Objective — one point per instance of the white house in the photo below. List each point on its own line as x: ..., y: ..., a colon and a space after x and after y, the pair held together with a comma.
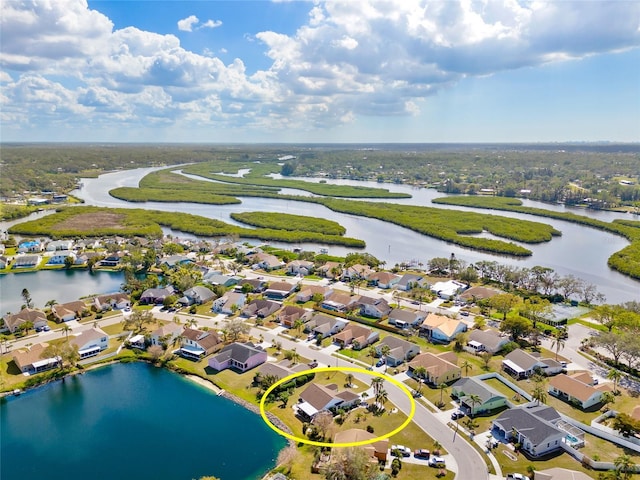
x: 448, y: 289
x: 572, y: 390
x: 166, y: 334
x: 439, y: 328
x: 91, y: 342
x: 229, y: 303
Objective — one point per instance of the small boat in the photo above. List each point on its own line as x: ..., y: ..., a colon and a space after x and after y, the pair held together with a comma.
x: 17, y: 392
x: 324, y: 250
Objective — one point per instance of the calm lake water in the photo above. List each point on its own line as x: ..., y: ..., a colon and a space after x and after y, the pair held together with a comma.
x: 131, y: 421
x: 60, y: 285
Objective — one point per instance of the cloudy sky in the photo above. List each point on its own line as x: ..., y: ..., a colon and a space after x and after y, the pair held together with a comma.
x: 335, y: 71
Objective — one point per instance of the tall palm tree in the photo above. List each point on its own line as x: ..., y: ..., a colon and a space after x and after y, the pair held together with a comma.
x: 615, y: 376
x: 384, y: 351
x: 442, y: 387
x: 557, y: 342
x: 624, y: 465
x: 467, y: 366
x: 348, y: 379
x: 376, y: 384
x: 382, y: 397
x: 474, y: 400
x: 539, y: 393
x: 66, y: 329
x: 419, y: 373
x: 295, y: 356
x: 372, y: 352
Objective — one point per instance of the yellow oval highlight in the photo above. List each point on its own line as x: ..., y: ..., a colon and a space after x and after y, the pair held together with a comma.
x: 395, y: 382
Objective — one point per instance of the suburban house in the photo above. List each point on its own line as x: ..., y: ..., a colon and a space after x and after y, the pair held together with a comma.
x: 31, y: 360
x: 166, y: 334
x: 257, y: 286
x: 490, y: 341
x: 438, y: 328
x: 112, y: 260
x: 572, y: 390
x: 215, y: 278
x: 281, y: 369
x: 26, y: 261
x: 406, y: 318
x: 532, y: 427
x: 197, y: 343
x: 475, y: 294
x: 307, y: 292
x: 357, y: 272
x: 290, y: 314
x: 261, y: 308
x: 317, y: 398
x: 449, y: 289
x: 279, y: 290
x: 356, y: 335
x: 557, y: 473
x: 30, y: 246
x: 373, y: 307
x: 113, y: 300
x: 240, y: 356
x: 229, y: 303
x: 378, y: 450
x: 156, y: 295
x: 37, y: 318
x: 324, y: 326
x: 56, y: 245
x: 90, y: 342
x: 439, y: 369
x: 60, y: 257
x: 68, y: 311
x: 84, y: 257
x: 383, y: 280
x: 328, y: 269
x: 338, y: 301
x: 196, y: 296
x: 300, y: 267
x: 400, y: 350
x: 175, y: 261
x: 521, y: 364
x: 466, y: 389
x: 409, y: 281
x: 265, y: 261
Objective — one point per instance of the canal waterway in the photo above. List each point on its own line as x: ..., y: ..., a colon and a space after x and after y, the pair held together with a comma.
x: 131, y: 421
x: 580, y: 251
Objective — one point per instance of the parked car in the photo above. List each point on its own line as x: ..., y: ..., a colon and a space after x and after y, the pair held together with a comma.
x: 422, y: 453
x: 464, y: 313
x: 457, y: 414
x: 313, y: 364
x: 46, y: 328
x: 404, y: 451
x: 436, y: 462
x: 517, y: 476
x: 380, y: 363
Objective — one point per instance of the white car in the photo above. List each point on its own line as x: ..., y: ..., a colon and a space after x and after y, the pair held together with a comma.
x: 404, y: 451
x: 517, y: 476
x: 436, y: 462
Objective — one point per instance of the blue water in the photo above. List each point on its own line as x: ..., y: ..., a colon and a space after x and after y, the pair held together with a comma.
x: 131, y: 421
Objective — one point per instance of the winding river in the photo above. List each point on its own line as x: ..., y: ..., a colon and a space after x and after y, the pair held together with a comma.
x: 581, y: 251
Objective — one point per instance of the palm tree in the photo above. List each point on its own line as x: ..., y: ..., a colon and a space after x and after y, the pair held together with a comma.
x: 382, y: 397
x: 467, y: 366
x: 615, y: 376
x: 295, y: 356
x: 372, y: 352
x: 624, y: 465
x: 297, y: 326
x: 436, y: 447
x: 384, y: 351
x: 474, y: 400
x: 442, y: 387
x: 419, y: 373
x: 66, y: 329
x: 348, y: 379
x: 26, y: 296
x: 539, y: 393
x: 376, y: 384
x: 51, y: 303
x: 557, y: 342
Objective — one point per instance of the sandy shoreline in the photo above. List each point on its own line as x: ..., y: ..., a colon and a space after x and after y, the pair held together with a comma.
x: 204, y: 383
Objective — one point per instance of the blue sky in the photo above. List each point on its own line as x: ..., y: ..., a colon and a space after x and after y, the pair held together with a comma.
x: 337, y: 71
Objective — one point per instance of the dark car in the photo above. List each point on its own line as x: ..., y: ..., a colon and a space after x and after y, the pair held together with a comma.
x: 313, y: 364
x: 422, y: 453
x: 457, y: 414
x: 380, y: 362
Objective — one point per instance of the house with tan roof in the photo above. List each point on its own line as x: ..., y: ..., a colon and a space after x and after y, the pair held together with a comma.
x: 573, y: 391
x: 166, y: 334
x: 65, y: 312
x: 324, y: 326
x: 36, y: 317
x: 441, y: 329
x: 289, y: 314
x: 229, y: 303
x: 356, y: 335
x: 475, y: 294
x: 378, y: 450
x: 261, y: 308
x: 307, y: 292
x: 317, y: 398
x: 31, y: 360
x: 384, y: 280
x: 338, y: 301
x: 373, y: 307
x: 439, y: 368
x: 198, y: 343
x: 116, y: 301
x: 400, y: 350
x: 300, y: 267
x: 90, y: 342
x: 328, y: 268
x: 357, y: 272
x: 265, y: 261
x: 279, y: 290
x: 281, y: 369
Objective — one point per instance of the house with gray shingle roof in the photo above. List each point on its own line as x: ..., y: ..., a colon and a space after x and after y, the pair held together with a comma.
x: 324, y: 326
x: 533, y: 427
x: 403, y: 318
x: 399, y: 350
x: 198, y: 343
x: 485, y: 341
x: 490, y: 398
x: 240, y: 356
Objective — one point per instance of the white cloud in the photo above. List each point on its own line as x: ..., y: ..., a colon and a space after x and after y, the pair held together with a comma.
x: 351, y: 58
x: 186, y: 24
x: 211, y: 24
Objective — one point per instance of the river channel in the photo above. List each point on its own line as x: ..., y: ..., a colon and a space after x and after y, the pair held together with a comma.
x: 131, y: 421
x: 581, y: 251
